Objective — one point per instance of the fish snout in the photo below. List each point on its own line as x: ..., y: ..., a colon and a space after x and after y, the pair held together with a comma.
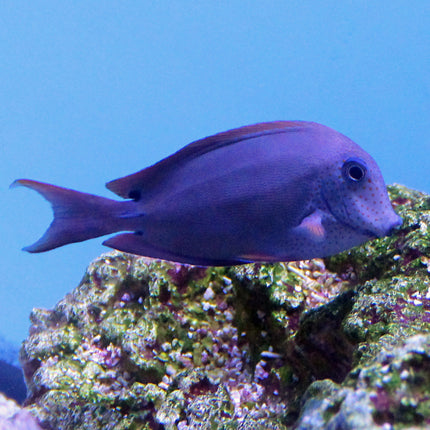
x: 392, y: 225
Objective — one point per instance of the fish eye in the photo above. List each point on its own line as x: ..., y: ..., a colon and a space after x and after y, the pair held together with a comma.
x: 354, y: 170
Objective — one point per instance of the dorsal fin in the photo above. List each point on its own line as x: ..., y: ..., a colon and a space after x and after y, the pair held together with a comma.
x: 130, y: 186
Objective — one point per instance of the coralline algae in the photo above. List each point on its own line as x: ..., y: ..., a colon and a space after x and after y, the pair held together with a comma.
x: 144, y: 344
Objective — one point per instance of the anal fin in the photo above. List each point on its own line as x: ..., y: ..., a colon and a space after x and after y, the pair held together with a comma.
x: 135, y: 244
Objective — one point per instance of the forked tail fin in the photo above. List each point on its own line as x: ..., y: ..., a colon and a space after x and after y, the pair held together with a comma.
x: 77, y: 216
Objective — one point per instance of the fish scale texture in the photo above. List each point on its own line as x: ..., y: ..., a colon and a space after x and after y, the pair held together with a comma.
x: 317, y: 344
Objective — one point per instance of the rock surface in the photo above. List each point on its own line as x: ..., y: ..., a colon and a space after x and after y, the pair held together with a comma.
x: 335, y: 344
x: 13, y: 417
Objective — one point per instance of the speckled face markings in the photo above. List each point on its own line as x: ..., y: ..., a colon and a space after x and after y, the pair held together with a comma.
x: 359, y: 199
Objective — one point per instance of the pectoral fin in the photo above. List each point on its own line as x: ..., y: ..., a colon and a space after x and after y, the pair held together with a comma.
x: 312, y: 227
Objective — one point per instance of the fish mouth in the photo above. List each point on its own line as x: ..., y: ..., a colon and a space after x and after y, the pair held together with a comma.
x: 379, y: 233
x: 369, y: 233
x: 393, y: 228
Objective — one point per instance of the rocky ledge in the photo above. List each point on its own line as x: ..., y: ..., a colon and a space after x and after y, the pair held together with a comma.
x: 320, y: 344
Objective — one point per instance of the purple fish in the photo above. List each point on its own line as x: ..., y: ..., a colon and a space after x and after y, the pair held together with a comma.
x: 276, y: 191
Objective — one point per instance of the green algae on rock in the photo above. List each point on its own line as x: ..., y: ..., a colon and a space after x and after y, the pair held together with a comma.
x: 167, y: 344
x: 145, y: 344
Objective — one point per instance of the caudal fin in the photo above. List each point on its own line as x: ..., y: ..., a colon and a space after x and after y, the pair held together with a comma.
x: 77, y: 216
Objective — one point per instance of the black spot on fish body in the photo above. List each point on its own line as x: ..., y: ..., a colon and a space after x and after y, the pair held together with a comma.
x: 134, y: 194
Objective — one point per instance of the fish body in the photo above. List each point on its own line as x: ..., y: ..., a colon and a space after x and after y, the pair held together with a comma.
x: 277, y: 191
